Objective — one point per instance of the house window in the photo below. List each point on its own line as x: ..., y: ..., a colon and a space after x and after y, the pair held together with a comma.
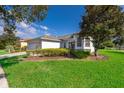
x: 87, y: 42
x: 78, y: 42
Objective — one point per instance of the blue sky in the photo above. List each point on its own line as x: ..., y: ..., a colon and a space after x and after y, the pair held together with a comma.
x: 61, y: 20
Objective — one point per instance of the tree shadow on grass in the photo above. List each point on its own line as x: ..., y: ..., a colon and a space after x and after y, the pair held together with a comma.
x: 9, y: 61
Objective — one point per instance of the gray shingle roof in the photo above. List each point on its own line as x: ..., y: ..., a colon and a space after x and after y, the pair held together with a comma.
x: 65, y: 37
x: 52, y: 38
x: 55, y: 38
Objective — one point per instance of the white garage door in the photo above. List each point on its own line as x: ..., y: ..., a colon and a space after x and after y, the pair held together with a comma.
x: 50, y: 44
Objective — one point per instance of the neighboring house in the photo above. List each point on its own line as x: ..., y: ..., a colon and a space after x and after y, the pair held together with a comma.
x: 72, y: 41
x: 23, y: 43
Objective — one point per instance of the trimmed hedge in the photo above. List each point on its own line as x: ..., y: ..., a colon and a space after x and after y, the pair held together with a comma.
x: 80, y: 53
x: 49, y: 52
x: 58, y: 52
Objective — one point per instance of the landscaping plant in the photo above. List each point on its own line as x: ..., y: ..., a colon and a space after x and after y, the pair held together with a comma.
x: 80, y: 53
x: 49, y: 52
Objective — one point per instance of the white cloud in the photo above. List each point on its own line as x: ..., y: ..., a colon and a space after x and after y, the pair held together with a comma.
x: 44, y: 27
x: 24, y: 34
x: 26, y: 28
x: 32, y: 30
x: 23, y: 24
x: 29, y: 32
x: 20, y: 33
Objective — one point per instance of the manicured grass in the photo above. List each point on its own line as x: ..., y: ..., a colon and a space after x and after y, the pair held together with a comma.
x: 71, y: 73
x: 2, y: 52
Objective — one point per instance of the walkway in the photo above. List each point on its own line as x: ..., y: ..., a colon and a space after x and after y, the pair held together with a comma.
x: 12, y: 55
x: 3, y: 80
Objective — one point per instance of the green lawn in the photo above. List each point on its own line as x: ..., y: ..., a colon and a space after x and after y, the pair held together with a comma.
x: 2, y: 52
x: 71, y: 73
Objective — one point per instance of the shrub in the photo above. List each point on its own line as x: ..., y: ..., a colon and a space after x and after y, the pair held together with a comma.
x: 79, y: 53
x: 10, y: 48
x: 49, y: 52
x: 24, y: 56
x: 30, y: 52
x: 23, y: 48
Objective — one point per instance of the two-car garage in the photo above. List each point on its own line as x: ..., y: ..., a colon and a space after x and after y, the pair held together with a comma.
x: 43, y: 42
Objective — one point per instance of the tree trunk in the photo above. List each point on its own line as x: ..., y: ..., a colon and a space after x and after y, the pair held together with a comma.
x: 9, y: 51
x: 95, y: 52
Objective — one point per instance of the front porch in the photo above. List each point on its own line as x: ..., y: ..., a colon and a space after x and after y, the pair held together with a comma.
x: 78, y: 43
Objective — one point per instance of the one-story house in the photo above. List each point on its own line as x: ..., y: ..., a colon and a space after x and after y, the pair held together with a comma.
x: 72, y: 41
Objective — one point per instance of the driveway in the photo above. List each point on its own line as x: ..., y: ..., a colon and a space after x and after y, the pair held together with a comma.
x: 3, y: 80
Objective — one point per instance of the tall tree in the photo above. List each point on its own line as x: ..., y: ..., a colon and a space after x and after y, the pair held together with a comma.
x: 102, y: 23
x: 10, y: 15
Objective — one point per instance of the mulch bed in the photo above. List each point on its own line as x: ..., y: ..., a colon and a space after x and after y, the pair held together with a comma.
x: 99, y: 57
x: 36, y: 58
